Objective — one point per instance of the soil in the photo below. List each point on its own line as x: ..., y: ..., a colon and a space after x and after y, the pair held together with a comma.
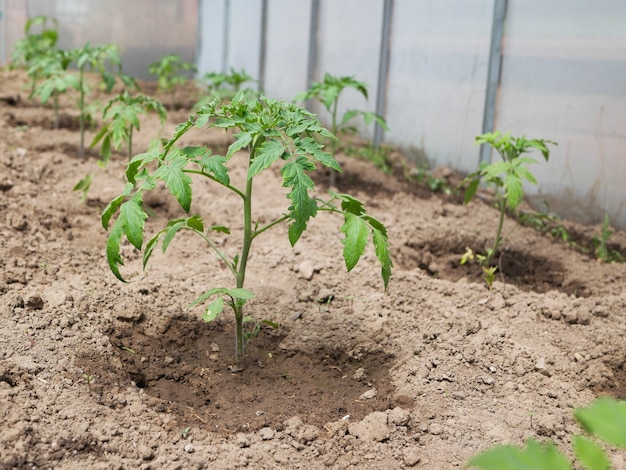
x: 95, y: 373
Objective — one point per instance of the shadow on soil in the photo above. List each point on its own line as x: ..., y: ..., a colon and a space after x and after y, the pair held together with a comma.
x: 529, y: 272
x: 184, y: 367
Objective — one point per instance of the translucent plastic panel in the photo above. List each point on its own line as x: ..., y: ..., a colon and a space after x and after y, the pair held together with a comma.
x: 286, y: 56
x: 348, y: 44
x: 145, y: 30
x: 564, y: 79
x: 244, y: 36
x: 437, y: 78
x: 212, y: 51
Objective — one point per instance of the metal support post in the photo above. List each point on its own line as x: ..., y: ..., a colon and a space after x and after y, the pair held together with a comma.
x: 493, y: 74
x: 383, y: 69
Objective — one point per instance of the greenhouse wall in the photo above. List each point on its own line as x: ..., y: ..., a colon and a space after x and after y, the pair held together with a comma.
x: 440, y: 71
x: 145, y: 30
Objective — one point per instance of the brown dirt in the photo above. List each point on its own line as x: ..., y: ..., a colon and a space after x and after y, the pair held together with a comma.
x: 449, y: 366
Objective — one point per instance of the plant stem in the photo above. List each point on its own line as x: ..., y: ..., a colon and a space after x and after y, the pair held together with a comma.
x: 56, y: 110
x: 333, y: 146
x: 130, y: 143
x: 81, y: 119
x: 496, y: 244
x: 243, y: 261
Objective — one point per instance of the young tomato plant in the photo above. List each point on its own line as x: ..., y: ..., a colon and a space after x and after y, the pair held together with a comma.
x: 507, y: 176
x: 604, y: 419
x: 121, y: 117
x: 171, y: 71
x: 226, y: 85
x: 328, y: 92
x: 35, y: 46
x: 96, y: 58
x: 53, y: 79
x: 601, y: 244
x: 274, y: 133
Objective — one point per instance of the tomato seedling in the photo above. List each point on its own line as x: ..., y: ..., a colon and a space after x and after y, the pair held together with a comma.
x: 171, y: 71
x: 35, y: 46
x: 328, y: 92
x: 274, y: 133
x: 507, y: 176
x: 96, y: 58
x: 52, y: 79
x: 121, y: 117
x: 226, y: 85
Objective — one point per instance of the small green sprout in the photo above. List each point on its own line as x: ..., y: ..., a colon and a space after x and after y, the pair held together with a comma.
x: 88, y: 378
x: 601, y: 244
x: 506, y: 175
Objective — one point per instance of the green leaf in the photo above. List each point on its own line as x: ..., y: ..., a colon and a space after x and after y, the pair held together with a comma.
x: 111, y: 208
x: 303, y: 207
x: 266, y: 154
x: 532, y: 457
x: 133, y: 219
x: 526, y: 174
x: 202, y: 297
x: 243, y: 139
x: 357, y: 234
x: 176, y: 180
x: 113, y: 249
x: 213, y: 310
x: 605, y: 418
x: 471, y: 189
x: 514, y: 190
x: 308, y: 146
x: 381, y: 246
x: 590, y: 454
x: 240, y: 293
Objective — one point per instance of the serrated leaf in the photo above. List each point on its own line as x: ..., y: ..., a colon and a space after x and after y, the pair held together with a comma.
x: 351, y: 204
x: 381, y: 247
x: 220, y: 228
x: 605, y: 418
x: 355, y: 241
x: 113, y: 249
x: 214, y: 165
x: 590, y: 454
x: 266, y: 154
x: 526, y: 174
x: 308, y: 146
x: 494, y: 170
x: 133, y: 218
x: 243, y: 139
x: 533, y: 456
x: 514, y: 190
x: 195, y: 223
x: 176, y: 180
x: 303, y: 207
x: 112, y: 207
